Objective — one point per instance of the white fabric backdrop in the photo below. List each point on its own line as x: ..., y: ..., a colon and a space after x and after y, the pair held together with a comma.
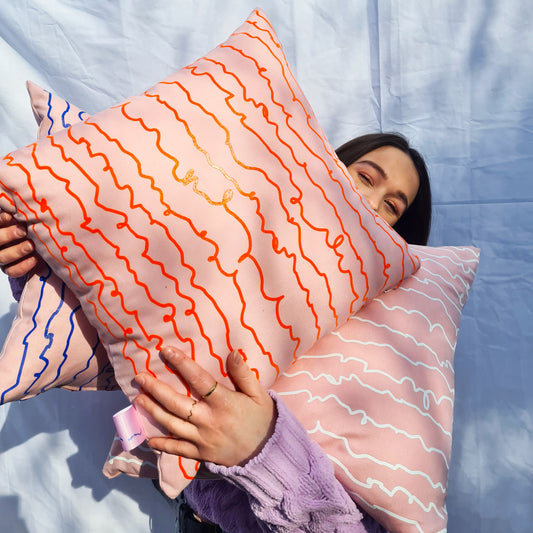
x: 456, y: 77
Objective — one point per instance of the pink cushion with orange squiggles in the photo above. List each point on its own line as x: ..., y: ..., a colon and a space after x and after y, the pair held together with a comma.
x: 209, y: 212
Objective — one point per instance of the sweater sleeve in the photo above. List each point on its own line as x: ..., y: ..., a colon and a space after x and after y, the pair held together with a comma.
x: 290, y: 485
x: 17, y: 286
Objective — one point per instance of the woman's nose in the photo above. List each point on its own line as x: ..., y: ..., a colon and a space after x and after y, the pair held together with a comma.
x: 372, y: 200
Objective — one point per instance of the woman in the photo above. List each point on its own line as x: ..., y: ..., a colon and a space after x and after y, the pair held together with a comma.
x: 261, y: 471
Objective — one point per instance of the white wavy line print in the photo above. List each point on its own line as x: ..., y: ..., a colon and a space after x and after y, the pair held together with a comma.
x: 442, y: 283
x: 334, y: 380
x: 449, y: 281
x: 447, y: 364
x: 461, y: 263
x: 435, y: 484
x: 431, y: 326
x: 338, y: 380
x: 365, y: 418
x: 431, y: 508
x: 447, y: 252
x: 356, y: 496
x: 112, y: 458
x: 430, y: 285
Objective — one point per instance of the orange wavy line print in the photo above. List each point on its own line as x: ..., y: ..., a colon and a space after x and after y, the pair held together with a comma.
x: 268, y: 29
x: 171, y: 317
x: 96, y: 283
x: 200, y: 234
x: 278, y: 299
x: 184, y: 472
x: 284, y: 70
x: 289, y: 219
x: 86, y: 226
x: 228, y: 177
x: 251, y: 196
x: 65, y: 262
x: 415, y: 261
x: 304, y: 167
x: 243, y: 225
x: 126, y: 330
x: 36, y: 236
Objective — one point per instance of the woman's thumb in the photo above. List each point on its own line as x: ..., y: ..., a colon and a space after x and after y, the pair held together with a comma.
x: 242, y: 377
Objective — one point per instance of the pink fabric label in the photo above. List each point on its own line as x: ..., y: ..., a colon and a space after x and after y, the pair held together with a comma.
x: 129, y: 428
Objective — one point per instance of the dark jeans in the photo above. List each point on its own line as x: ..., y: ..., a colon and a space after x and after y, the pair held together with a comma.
x: 188, y: 523
x: 185, y: 519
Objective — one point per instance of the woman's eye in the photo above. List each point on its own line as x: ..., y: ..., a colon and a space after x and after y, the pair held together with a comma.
x: 391, y: 206
x: 364, y: 179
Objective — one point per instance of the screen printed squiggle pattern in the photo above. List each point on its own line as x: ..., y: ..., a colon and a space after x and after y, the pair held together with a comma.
x: 377, y: 394
x: 209, y: 212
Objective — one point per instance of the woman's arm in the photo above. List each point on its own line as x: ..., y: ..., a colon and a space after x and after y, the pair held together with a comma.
x: 271, y: 470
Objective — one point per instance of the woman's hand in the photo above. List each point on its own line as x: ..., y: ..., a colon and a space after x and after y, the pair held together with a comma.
x: 225, y: 427
x: 17, y: 256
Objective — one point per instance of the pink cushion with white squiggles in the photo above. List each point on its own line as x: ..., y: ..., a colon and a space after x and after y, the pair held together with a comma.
x: 377, y: 394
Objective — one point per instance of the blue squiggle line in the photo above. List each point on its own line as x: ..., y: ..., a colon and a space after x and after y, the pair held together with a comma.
x: 65, y: 124
x: 50, y: 338
x: 93, y: 354
x: 49, y: 115
x: 138, y: 434
x: 67, y: 343
x: 25, y: 340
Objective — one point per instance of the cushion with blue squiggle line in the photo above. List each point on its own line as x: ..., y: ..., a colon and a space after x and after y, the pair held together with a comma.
x: 51, y: 343
x: 209, y: 212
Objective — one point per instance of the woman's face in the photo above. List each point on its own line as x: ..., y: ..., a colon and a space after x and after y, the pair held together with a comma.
x: 388, y: 179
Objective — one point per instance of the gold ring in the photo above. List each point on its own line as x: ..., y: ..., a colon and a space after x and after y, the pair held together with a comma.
x: 194, y: 402
x: 211, y: 390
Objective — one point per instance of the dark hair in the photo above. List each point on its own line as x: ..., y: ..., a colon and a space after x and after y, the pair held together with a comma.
x: 415, y: 223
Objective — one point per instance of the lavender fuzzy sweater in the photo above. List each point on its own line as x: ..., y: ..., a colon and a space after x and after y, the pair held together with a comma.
x: 289, y: 487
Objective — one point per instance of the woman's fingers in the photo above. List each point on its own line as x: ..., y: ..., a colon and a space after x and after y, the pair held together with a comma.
x: 174, y: 446
x: 11, y: 232
x: 175, y: 424
x: 242, y: 377
x: 16, y: 250
x: 163, y: 394
x: 16, y: 253
x: 6, y: 218
x: 200, y: 380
